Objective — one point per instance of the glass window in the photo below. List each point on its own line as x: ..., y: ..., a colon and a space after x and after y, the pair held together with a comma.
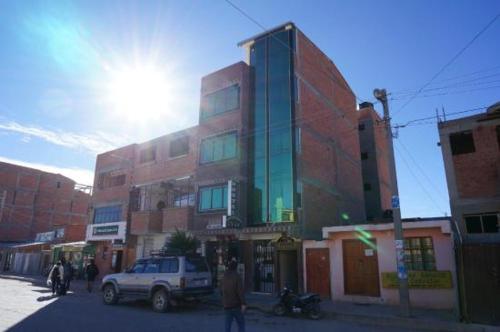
x: 139, y: 267
x: 213, y: 198
x: 152, y: 267
x: 183, y: 199
x: 484, y: 223
x: 218, y: 148
x: 196, y: 264
x: 148, y: 154
x: 108, y: 214
x: 221, y: 101
x: 419, y: 254
x: 169, y: 265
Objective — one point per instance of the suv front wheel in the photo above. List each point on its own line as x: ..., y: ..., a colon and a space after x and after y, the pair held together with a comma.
x: 109, y: 294
x: 160, y: 300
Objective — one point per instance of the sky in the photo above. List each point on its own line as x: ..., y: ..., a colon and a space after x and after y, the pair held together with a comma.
x: 73, y: 74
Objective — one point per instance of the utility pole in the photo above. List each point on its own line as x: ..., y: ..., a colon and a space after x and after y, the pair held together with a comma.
x: 404, y: 294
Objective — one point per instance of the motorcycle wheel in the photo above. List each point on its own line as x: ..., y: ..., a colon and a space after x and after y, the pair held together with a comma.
x: 314, y: 312
x: 279, y: 309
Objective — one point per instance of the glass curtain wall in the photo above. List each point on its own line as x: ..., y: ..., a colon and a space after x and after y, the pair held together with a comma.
x: 272, y: 135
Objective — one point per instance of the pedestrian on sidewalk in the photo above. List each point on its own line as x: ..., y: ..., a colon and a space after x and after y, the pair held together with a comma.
x: 91, y: 271
x: 68, y: 274
x: 233, y: 298
x: 55, y: 276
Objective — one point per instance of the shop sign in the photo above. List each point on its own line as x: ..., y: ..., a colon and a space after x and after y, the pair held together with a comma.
x: 105, y: 230
x: 286, y: 242
x: 45, y: 237
x: 420, y: 279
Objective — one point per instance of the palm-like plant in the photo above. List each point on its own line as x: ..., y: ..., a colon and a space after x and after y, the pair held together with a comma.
x: 182, y: 242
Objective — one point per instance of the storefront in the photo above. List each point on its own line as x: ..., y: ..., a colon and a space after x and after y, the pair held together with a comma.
x: 109, y: 243
x: 78, y: 253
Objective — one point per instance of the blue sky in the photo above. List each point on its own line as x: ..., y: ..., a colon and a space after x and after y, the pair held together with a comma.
x: 59, y: 61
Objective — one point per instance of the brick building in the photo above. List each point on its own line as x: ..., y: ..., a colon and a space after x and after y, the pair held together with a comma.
x: 40, y: 207
x: 375, y: 164
x: 471, y: 153
x: 275, y: 158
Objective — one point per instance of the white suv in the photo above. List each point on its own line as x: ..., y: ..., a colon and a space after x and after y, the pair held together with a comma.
x: 163, y: 280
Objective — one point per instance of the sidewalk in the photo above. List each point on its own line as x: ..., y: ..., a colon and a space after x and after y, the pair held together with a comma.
x: 372, y: 314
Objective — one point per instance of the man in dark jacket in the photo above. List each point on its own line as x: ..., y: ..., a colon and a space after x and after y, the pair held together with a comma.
x: 68, y: 274
x: 91, y: 271
x: 233, y: 297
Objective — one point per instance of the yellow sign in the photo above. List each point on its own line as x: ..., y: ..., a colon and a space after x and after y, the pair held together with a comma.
x: 420, y: 279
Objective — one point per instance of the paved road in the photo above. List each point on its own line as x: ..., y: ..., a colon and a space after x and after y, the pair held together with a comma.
x: 28, y: 306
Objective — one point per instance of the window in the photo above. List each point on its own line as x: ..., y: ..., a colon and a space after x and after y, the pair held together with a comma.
x: 485, y: 223
x: 169, y: 265
x: 108, y: 214
x: 296, y: 91
x: 462, y: 142
x: 179, y: 147
x: 152, y: 267
x: 361, y: 127
x: 218, y: 148
x: 147, y: 155
x: 106, y: 180
x: 213, y: 198
x: 195, y: 264
x: 58, y: 184
x: 364, y: 155
x: 419, y: 254
x: 221, y: 101
x: 367, y: 187
x: 183, y: 199
x: 498, y: 136
x: 139, y: 267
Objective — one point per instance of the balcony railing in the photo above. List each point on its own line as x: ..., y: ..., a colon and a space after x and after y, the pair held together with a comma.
x: 146, y: 222
x: 177, y: 218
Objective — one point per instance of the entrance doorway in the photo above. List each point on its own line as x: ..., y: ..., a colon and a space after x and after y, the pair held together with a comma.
x: 287, y: 262
x: 360, y: 268
x: 318, y: 271
x: 264, y: 274
x: 117, y: 261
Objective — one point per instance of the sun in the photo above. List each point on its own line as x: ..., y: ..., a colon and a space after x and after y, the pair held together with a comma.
x: 140, y: 93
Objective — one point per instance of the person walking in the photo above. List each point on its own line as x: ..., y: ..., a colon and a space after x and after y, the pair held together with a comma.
x: 68, y: 274
x: 233, y: 298
x: 55, y: 276
x: 91, y: 271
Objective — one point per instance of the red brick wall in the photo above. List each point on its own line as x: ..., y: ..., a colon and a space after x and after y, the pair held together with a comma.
x: 477, y: 174
x: 36, y: 204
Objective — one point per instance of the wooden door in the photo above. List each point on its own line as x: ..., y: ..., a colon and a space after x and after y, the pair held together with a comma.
x: 318, y: 271
x: 360, y: 268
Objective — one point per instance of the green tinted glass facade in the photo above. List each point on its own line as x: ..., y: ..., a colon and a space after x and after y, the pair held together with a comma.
x: 271, y: 145
x: 218, y: 148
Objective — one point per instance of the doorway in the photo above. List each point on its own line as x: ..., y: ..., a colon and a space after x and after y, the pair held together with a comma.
x: 360, y: 268
x: 288, y: 271
x: 318, y: 271
x: 117, y: 261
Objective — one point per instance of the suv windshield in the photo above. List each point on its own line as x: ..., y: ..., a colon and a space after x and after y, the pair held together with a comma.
x: 196, y: 264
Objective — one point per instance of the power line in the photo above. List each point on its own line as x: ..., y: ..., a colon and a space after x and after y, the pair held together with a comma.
x: 333, y: 78
x: 449, y: 63
x: 434, y: 117
x: 450, y: 93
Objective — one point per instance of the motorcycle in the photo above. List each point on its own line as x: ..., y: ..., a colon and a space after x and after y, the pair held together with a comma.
x: 291, y: 303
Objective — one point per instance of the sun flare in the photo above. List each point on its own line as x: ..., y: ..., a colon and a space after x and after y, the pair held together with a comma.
x: 140, y: 93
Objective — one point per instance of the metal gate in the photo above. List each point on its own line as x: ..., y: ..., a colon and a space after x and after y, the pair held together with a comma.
x: 264, y: 273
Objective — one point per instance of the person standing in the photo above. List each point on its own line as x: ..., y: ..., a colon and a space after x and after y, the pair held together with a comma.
x: 68, y: 274
x: 233, y: 298
x: 91, y: 271
x: 55, y: 276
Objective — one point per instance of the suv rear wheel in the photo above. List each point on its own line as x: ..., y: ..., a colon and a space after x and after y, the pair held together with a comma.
x: 109, y: 295
x: 160, y: 300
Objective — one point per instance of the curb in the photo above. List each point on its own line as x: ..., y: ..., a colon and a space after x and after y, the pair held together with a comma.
x: 388, y: 321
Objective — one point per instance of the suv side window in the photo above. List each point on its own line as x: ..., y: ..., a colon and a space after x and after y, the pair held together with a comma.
x: 152, y: 267
x: 196, y: 264
x: 169, y: 265
x: 139, y: 267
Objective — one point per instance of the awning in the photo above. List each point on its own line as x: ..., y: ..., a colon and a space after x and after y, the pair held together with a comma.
x: 80, y: 244
x: 28, y: 244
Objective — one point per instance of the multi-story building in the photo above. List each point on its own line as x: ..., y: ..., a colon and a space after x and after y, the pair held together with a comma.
x: 40, y: 207
x: 375, y: 164
x: 275, y: 157
x: 471, y: 153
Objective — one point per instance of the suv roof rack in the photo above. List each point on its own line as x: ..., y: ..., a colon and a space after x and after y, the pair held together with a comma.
x: 163, y: 252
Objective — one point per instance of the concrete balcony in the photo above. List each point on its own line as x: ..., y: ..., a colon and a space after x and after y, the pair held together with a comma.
x: 177, y: 218
x: 146, y: 222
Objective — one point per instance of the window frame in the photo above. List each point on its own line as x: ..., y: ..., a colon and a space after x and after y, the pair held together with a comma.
x: 176, y: 140
x: 453, y: 139
x: 212, y: 188
x: 212, y: 140
x: 421, y: 248
x: 170, y: 259
x: 120, y: 213
x: 209, y: 108
x: 481, y: 222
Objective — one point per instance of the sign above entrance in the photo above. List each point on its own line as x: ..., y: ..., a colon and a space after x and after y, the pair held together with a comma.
x: 286, y: 242
x: 420, y: 279
x: 106, y: 231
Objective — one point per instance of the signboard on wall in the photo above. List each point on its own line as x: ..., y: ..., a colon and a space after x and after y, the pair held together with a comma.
x: 420, y: 279
x: 105, y: 230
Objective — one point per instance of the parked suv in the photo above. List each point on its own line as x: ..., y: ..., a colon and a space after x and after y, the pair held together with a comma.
x: 163, y: 280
